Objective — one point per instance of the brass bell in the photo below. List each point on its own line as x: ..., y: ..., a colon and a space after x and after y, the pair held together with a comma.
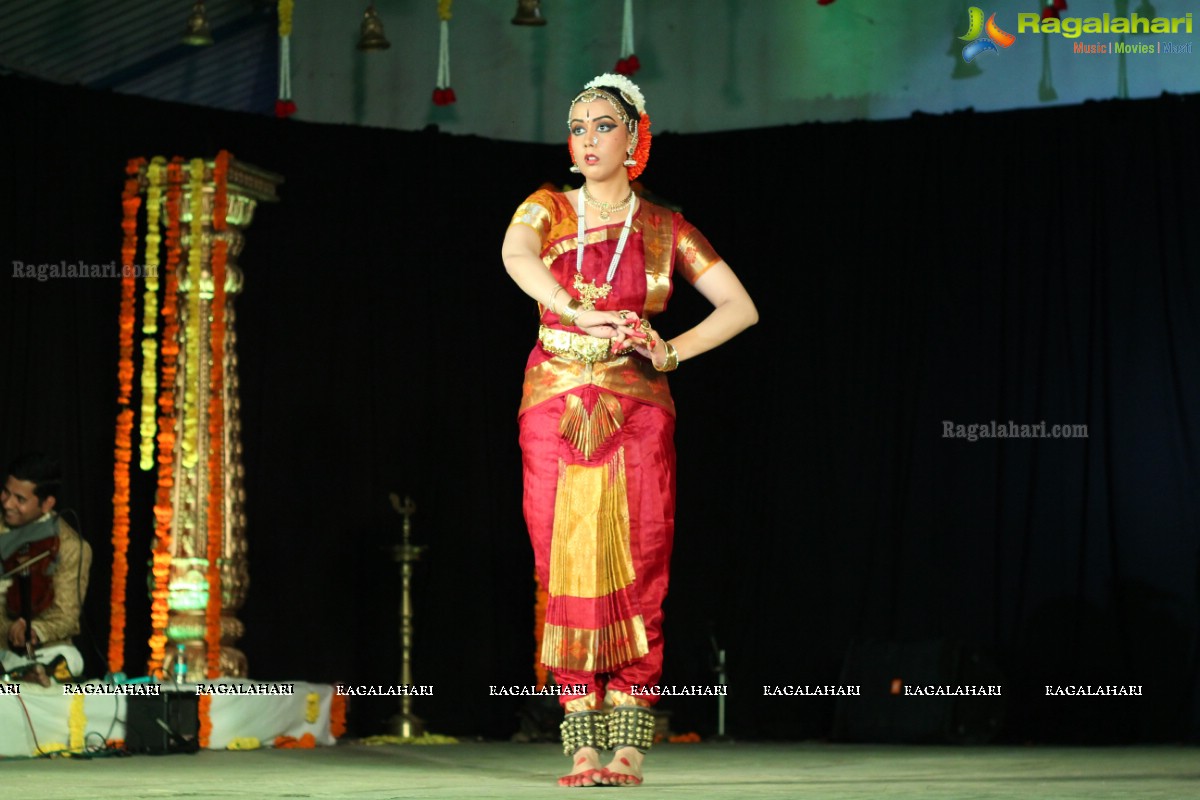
x: 371, y: 36
x: 529, y: 12
x: 198, y: 32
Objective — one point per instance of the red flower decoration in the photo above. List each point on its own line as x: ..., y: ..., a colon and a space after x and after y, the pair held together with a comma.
x: 1052, y: 8
x: 284, y: 108
x: 628, y: 66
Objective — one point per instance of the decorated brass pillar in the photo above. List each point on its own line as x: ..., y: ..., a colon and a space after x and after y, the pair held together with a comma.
x: 230, y: 192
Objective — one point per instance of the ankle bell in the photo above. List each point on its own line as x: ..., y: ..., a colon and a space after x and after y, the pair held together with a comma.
x: 584, y: 729
x: 631, y: 726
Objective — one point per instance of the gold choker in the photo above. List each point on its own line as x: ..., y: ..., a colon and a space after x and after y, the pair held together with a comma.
x: 607, y: 209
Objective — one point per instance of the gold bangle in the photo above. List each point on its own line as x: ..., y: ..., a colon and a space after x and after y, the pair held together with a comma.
x: 571, y: 312
x: 672, y: 362
x: 550, y: 305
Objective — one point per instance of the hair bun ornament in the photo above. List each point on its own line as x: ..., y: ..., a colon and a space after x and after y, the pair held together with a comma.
x: 622, y: 84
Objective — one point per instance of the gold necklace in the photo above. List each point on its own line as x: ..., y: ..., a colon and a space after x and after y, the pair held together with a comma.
x: 607, y: 209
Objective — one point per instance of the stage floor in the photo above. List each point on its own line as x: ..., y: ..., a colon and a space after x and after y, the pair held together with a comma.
x: 698, y: 772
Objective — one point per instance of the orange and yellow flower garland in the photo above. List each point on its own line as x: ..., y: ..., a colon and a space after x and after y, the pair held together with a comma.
x: 216, y: 416
x: 123, y: 452
x: 166, y: 399
x: 164, y: 509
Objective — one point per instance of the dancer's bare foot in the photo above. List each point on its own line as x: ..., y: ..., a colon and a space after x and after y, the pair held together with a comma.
x: 586, y: 771
x: 625, y: 769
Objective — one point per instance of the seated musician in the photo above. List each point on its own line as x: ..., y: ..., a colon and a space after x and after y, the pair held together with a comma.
x: 43, y: 610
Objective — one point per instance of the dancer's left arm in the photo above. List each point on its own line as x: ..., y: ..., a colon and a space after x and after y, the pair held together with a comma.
x: 733, y: 312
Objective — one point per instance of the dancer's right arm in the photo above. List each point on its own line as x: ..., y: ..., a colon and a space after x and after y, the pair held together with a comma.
x: 520, y: 253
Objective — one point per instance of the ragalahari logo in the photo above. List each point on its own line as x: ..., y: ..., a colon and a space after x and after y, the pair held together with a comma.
x: 977, y: 42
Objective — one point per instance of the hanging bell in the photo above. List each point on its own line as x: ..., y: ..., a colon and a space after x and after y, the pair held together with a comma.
x: 529, y: 12
x: 198, y: 32
x: 371, y: 36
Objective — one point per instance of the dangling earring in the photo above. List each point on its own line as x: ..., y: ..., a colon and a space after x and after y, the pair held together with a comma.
x: 574, y: 168
x: 629, y: 162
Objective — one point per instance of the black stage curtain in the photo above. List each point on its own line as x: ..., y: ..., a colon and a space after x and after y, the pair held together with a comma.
x: 1036, y: 265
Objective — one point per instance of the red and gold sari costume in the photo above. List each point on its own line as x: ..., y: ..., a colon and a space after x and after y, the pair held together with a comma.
x: 599, y: 456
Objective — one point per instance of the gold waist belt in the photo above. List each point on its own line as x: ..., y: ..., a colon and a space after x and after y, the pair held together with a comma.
x: 576, y: 346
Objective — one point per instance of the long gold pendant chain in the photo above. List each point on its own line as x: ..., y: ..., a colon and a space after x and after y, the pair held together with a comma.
x: 589, y: 293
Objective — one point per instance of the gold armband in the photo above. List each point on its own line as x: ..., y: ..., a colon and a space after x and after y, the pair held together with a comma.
x: 571, y: 312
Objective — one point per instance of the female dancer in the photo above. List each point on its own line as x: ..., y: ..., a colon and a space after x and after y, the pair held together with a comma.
x: 597, y: 421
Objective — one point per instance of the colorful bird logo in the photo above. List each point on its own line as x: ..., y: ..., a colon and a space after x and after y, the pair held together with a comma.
x: 978, y: 43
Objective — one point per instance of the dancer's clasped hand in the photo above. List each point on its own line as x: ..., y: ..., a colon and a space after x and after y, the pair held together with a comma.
x: 620, y: 326
x: 628, y: 331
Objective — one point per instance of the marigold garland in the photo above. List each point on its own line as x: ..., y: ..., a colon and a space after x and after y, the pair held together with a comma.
x: 305, y: 742
x: 244, y: 743
x: 123, y: 439
x: 312, y: 707
x: 191, y: 401
x: 147, y: 429
x: 216, y: 417
x: 337, y: 715
x: 285, y: 8
x: 76, y: 724
x: 204, y: 712
x: 641, y: 153
x: 131, y: 202
x: 164, y: 509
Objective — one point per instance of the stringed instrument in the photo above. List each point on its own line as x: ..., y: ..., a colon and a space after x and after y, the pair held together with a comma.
x: 41, y: 556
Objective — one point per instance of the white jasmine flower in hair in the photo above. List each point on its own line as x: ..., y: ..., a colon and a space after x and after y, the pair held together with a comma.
x: 625, y: 86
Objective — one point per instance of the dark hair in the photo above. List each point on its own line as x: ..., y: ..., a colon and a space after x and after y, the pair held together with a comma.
x: 629, y: 108
x: 40, y: 470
